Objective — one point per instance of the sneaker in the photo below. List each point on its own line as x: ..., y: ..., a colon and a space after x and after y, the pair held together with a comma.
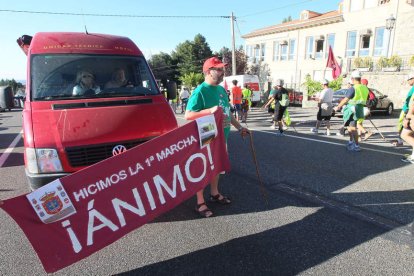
x: 408, y: 159
x: 356, y: 147
x: 314, y: 130
x: 285, y: 128
x: 328, y: 133
x: 273, y: 127
x: 339, y: 134
x: 350, y: 146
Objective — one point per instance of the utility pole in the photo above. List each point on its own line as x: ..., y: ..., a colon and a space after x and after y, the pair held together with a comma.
x: 233, y: 44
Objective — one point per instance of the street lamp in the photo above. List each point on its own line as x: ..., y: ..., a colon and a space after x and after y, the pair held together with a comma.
x: 389, y: 25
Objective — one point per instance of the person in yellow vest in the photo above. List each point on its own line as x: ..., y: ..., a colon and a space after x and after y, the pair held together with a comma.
x: 355, y: 101
x: 246, y: 102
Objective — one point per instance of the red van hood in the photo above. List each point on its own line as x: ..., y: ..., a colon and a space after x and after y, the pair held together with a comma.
x: 71, y: 125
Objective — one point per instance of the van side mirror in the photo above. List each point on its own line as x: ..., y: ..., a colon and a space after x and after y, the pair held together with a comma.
x: 171, y: 90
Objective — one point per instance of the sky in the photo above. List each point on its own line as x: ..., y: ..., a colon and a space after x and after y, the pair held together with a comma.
x: 152, y: 34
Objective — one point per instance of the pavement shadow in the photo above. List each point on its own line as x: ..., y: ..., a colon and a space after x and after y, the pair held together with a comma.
x: 286, y: 250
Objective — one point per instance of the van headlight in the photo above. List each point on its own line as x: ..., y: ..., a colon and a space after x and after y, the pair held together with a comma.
x: 43, y: 161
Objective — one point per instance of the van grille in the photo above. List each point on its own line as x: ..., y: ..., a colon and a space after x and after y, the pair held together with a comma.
x: 89, y: 155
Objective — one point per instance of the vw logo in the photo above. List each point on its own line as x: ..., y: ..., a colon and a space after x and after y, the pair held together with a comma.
x: 118, y: 149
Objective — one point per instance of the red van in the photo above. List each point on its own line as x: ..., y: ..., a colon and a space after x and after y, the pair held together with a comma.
x: 89, y: 97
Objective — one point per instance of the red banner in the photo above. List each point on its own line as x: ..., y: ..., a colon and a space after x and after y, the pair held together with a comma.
x: 332, y: 63
x: 122, y: 193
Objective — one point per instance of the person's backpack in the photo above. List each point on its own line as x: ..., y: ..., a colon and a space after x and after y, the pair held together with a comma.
x: 285, y: 99
x: 372, y: 100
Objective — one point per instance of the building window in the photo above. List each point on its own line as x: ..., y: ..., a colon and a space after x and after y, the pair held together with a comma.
x: 384, y: 1
x: 257, y: 53
x: 319, y: 48
x: 381, y: 38
x: 364, y: 45
x: 370, y: 3
x: 351, y: 44
x: 283, y: 51
x: 249, y: 54
x: 263, y: 51
x: 292, y: 49
x: 275, y: 51
x: 330, y: 38
x: 309, y: 47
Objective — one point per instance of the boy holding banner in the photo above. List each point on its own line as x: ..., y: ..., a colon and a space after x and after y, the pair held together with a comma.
x: 205, y: 100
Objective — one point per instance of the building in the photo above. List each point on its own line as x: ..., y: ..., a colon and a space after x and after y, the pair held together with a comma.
x: 365, y: 30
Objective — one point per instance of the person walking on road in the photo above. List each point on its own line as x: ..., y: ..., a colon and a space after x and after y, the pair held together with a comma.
x: 236, y: 99
x: 355, y: 100
x: 184, y: 95
x: 281, y: 100
x: 362, y: 132
x: 325, y: 108
x: 206, y: 99
x: 246, y: 102
x: 407, y: 133
x: 408, y: 99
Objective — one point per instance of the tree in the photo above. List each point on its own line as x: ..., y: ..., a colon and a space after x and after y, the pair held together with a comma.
x: 287, y: 19
x: 190, y: 55
x: 241, y: 60
x: 13, y: 83
x: 163, y: 67
x: 192, y: 79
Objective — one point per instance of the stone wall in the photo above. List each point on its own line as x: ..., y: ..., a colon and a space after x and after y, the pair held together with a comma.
x: 393, y: 84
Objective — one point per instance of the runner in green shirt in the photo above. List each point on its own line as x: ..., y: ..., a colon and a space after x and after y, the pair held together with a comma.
x: 206, y: 99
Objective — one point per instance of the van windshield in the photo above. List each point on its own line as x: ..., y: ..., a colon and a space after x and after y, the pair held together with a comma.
x: 68, y: 76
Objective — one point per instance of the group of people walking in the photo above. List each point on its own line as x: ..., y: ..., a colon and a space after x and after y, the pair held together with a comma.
x: 210, y: 96
x: 241, y: 101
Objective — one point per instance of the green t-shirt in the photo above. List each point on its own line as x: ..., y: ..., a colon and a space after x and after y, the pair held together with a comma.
x: 407, y: 100
x: 206, y: 96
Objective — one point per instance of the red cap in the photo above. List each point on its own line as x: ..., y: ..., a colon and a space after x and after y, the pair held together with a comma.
x: 213, y: 62
x: 364, y: 81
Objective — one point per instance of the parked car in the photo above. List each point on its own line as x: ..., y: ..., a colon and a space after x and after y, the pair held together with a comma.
x: 384, y: 104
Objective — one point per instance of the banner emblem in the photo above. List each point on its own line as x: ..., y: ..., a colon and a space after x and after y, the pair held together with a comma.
x: 51, y: 203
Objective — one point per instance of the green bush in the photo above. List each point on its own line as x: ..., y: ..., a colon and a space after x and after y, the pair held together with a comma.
x: 411, y: 61
x: 395, y: 61
x: 358, y: 62
x: 367, y: 62
x: 382, y: 62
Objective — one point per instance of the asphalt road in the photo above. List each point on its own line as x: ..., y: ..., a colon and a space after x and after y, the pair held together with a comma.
x: 327, y: 211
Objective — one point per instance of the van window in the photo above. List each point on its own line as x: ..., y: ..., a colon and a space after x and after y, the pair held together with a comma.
x: 55, y: 76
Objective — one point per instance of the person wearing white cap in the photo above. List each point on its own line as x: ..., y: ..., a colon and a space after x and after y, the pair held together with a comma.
x: 355, y: 100
x: 325, y: 108
x: 404, y: 110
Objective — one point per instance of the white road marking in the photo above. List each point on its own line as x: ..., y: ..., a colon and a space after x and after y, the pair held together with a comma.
x: 7, y: 152
x: 328, y: 142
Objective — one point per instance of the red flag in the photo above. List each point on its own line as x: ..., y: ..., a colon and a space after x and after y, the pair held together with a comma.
x: 332, y: 63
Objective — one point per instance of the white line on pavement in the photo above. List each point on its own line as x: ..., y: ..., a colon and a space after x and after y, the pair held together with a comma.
x: 7, y: 152
x: 328, y: 142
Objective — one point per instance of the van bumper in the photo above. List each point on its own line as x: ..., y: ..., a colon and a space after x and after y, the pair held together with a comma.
x: 37, y: 180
